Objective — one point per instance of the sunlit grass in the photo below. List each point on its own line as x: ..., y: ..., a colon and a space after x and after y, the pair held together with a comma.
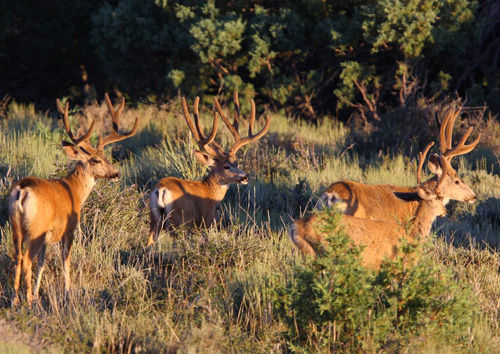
x: 209, y: 290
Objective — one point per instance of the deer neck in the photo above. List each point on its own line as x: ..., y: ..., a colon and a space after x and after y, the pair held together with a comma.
x: 215, y: 186
x: 80, y: 183
x: 426, y: 213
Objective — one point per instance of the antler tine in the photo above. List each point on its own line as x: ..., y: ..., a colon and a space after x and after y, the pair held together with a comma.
x: 115, y: 136
x: 421, y: 160
x: 196, y: 114
x: 115, y: 114
x: 461, y: 148
x: 187, y: 118
x: 446, y: 133
x: 207, y: 144
x: 237, y: 111
x: 211, y: 137
x: 65, y: 112
x: 252, y: 118
x: 442, y: 132
x: 250, y: 138
x: 449, y: 127
x: 444, y: 165
x: 233, y: 128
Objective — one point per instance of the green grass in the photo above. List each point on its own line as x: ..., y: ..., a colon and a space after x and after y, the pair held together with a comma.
x: 212, y: 290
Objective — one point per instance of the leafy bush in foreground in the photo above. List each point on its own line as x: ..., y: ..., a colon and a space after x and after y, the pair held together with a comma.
x: 333, y: 303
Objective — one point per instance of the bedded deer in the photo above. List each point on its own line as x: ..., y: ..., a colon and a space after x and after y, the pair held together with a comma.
x: 395, y: 203
x: 47, y: 211
x: 381, y: 238
x: 174, y: 201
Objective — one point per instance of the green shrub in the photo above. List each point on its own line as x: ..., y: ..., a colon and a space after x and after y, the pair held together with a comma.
x: 333, y: 303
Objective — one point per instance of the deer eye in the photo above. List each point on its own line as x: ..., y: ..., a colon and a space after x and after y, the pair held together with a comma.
x: 227, y: 167
x: 95, y: 161
x: 457, y: 182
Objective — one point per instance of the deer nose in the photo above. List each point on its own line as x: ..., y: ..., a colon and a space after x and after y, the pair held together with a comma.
x: 115, y: 176
x: 471, y: 200
x: 244, y: 179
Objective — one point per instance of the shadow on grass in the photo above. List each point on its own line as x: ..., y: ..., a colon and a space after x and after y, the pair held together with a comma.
x: 481, y: 226
x: 261, y: 203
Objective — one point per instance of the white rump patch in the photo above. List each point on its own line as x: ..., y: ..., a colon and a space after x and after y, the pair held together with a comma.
x: 328, y: 200
x: 325, y: 201
x: 160, y: 199
x: 21, y: 201
x: 13, y: 201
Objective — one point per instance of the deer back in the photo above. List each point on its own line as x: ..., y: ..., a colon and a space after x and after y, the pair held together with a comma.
x: 377, y: 202
x: 391, y: 202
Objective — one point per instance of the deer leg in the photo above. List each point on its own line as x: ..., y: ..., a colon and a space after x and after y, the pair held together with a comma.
x: 29, y: 255
x: 18, y: 255
x: 154, y: 226
x: 164, y: 223
x: 27, y: 276
x: 66, y: 244
x: 159, y: 221
x: 151, y: 238
x: 40, y: 268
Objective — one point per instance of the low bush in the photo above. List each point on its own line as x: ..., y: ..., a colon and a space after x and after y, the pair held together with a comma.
x: 332, y: 303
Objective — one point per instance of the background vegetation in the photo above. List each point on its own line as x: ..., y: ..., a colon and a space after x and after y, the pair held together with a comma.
x: 309, y: 57
x: 240, y: 286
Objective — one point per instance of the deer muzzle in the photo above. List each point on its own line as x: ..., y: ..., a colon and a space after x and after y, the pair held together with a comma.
x: 115, y: 177
x: 471, y: 200
x: 244, y: 180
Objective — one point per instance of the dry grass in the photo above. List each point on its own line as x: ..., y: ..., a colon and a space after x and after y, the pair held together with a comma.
x: 213, y: 293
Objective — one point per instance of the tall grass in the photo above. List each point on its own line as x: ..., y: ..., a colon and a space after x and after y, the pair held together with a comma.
x: 211, y: 290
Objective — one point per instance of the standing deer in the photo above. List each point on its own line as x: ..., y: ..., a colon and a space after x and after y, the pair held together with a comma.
x: 394, y: 203
x: 176, y: 201
x: 46, y: 211
x: 381, y: 238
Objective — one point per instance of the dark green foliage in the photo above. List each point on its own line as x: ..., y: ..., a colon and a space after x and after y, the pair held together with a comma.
x: 43, y: 46
x: 313, y: 58
x: 332, y: 303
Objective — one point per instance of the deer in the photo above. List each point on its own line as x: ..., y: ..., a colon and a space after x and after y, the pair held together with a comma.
x: 396, y: 203
x: 175, y: 201
x: 47, y: 211
x: 380, y: 239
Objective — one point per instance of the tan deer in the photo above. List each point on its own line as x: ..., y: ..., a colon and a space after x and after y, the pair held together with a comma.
x: 174, y: 201
x: 380, y: 238
x: 394, y: 203
x: 46, y: 211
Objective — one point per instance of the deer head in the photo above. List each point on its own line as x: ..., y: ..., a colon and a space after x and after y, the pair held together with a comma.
x: 211, y: 153
x: 93, y: 160
x: 455, y: 188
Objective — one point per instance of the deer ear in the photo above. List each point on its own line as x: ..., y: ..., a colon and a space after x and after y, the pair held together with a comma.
x: 435, y: 165
x: 74, y: 152
x: 425, y: 194
x: 204, y: 158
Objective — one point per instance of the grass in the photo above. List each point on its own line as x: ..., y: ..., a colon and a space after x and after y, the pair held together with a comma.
x: 212, y: 290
